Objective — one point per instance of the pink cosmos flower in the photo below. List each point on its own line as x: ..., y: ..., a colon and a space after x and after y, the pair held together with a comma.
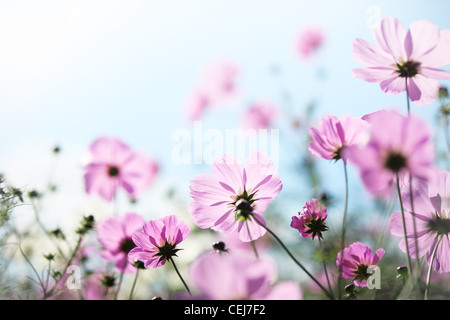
x: 333, y: 135
x: 114, y: 165
x: 397, y: 145
x: 310, y: 40
x: 115, y: 235
x: 197, y: 105
x: 405, y: 59
x: 260, y: 115
x: 230, y: 198
x: 432, y: 212
x: 239, y: 277
x: 311, y: 220
x: 219, y: 81
x: 157, y: 241
x: 356, y: 261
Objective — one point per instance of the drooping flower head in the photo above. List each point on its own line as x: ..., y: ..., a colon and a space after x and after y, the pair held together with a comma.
x: 432, y: 213
x: 233, y: 196
x: 355, y: 262
x: 158, y: 241
x: 333, y: 135
x: 239, y: 277
x: 311, y: 220
x: 405, y: 59
x: 398, y: 145
x: 310, y: 40
x: 115, y: 235
x: 260, y: 115
x: 114, y: 165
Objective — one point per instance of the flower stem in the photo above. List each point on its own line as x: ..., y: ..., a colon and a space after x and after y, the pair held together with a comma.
x: 407, y: 97
x: 134, y: 285
x: 430, y: 267
x: 252, y: 242
x: 294, y: 259
x: 344, y: 223
x: 325, y: 267
x: 120, y: 284
x: 416, y: 243
x: 404, y: 224
x: 179, y: 275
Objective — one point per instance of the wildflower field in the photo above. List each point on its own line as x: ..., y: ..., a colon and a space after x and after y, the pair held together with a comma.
x: 225, y: 150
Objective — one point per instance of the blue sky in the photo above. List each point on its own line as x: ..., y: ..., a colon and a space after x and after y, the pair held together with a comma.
x: 71, y: 71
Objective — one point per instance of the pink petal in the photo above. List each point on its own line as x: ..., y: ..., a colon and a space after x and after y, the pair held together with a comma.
x: 439, y: 56
x: 372, y: 75
x: 394, y: 85
x: 422, y: 37
x: 391, y: 38
x: 423, y: 91
x: 110, y: 150
x: 229, y: 172
x: 434, y: 73
x: 370, y: 55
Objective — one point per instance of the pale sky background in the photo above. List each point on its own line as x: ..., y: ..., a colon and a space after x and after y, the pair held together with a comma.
x: 71, y: 71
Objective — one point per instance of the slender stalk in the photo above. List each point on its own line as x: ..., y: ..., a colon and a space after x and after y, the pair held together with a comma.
x: 252, y: 242
x: 325, y: 267
x: 134, y: 285
x: 344, y: 224
x: 179, y: 275
x: 404, y: 224
x: 294, y: 259
x: 430, y: 267
x: 407, y: 97
x: 416, y: 243
x: 120, y: 283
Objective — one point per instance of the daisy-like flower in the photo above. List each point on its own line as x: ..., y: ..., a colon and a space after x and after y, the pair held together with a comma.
x: 115, y: 235
x: 114, y: 165
x: 432, y: 213
x: 356, y: 260
x: 239, y: 277
x: 310, y: 40
x: 405, y: 59
x: 333, y: 135
x: 157, y: 241
x: 233, y: 196
x: 311, y: 220
x: 260, y: 115
x: 398, y: 146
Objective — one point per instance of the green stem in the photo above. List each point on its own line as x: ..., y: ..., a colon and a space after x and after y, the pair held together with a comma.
x: 252, y: 242
x: 407, y: 97
x: 134, y: 285
x: 344, y: 224
x: 294, y: 259
x: 325, y: 267
x: 413, y: 213
x: 404, y: 224
x: 179, y: 275
x: 430, y: 267
x: 120, y: 283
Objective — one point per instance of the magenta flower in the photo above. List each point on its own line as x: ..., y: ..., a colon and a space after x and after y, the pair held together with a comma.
x: 260, y: 115
x: 157, y: 241
x: 115, y: 235
x: 310, y: 41
x: 311, y: 220
x: 230, y: 198
x: 219, y: 81
x: 405, y: 59
x: 197, y: 105
x: 239, y: 277
x: 432, y: 212
x: 398, y: 145
x: 356, y: 261
x: 114, y: 165
x: 333, y: 135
